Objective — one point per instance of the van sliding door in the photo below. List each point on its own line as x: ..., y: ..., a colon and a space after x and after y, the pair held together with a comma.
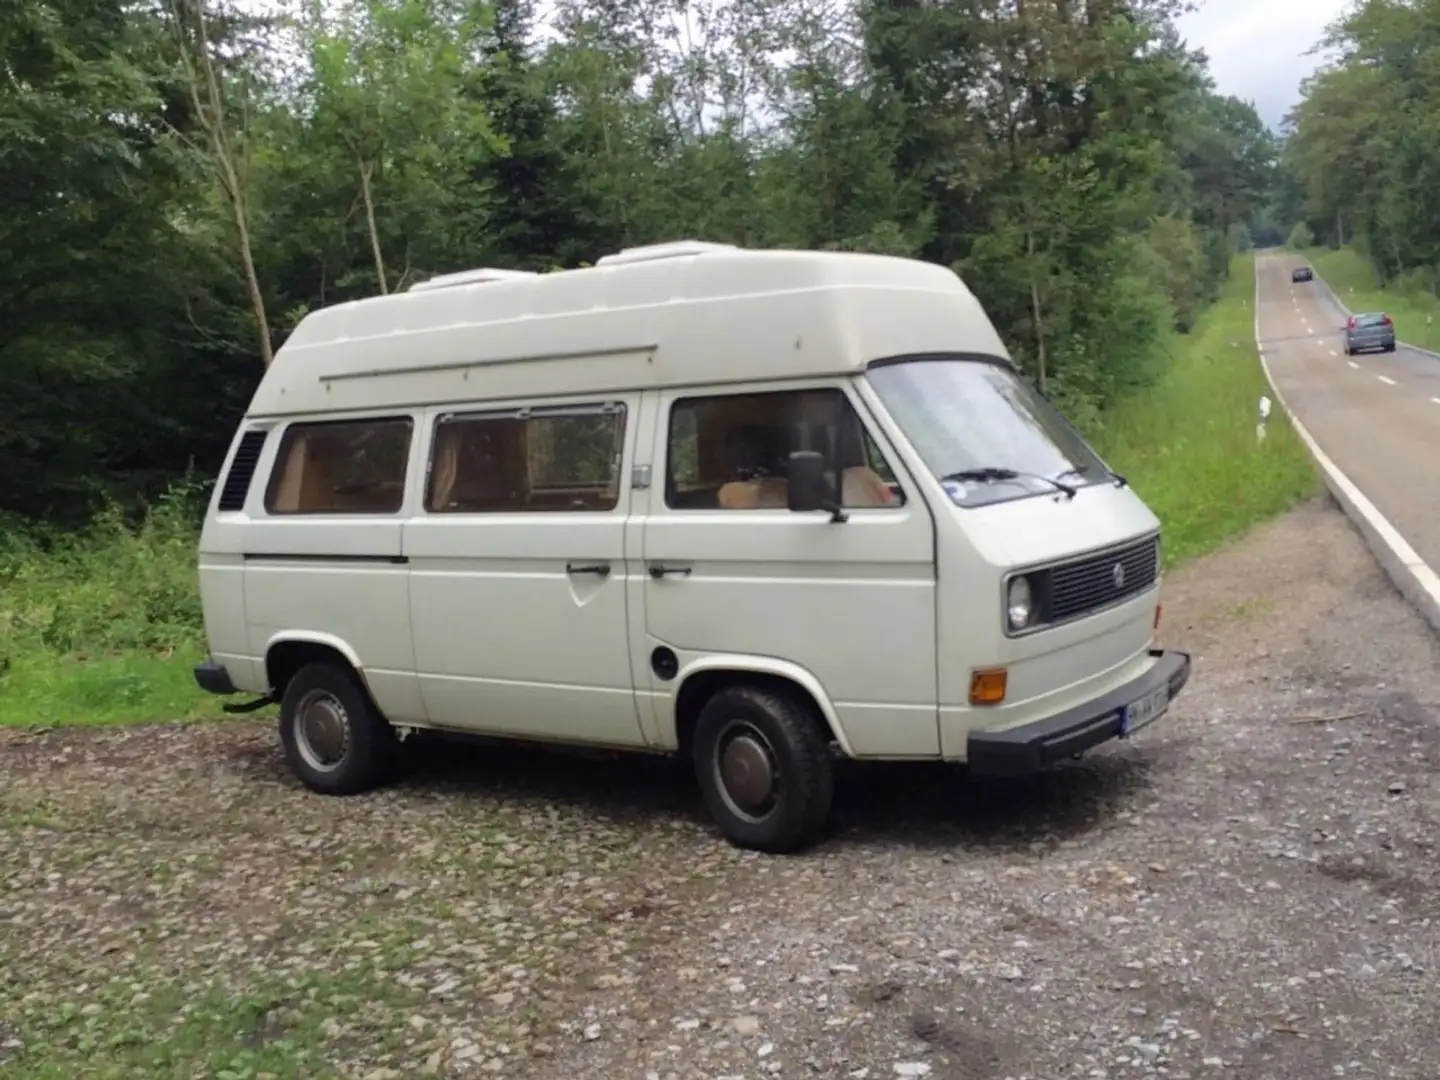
x: 518, y: 571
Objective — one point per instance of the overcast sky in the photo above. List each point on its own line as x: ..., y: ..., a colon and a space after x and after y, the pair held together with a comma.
x: 1257, y: 47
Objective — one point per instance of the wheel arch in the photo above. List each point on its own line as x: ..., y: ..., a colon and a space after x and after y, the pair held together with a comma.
x: 287, y: 652
x: 702, y: 679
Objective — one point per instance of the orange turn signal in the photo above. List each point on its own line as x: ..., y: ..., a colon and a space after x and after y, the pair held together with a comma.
x: 987, y: 686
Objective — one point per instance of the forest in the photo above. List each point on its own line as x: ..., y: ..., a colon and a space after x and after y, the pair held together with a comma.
x: 1361, y: 161
x: 186, y: 179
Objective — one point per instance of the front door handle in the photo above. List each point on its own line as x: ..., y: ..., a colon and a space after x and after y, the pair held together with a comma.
x: 599, y: 569
x: 660, y: 570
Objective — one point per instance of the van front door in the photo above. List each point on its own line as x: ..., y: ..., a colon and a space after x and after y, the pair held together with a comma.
x: 733, y: 578
x: 518, y: 573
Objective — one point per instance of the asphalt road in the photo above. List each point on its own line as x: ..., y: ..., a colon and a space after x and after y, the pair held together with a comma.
x: 1377, y: 415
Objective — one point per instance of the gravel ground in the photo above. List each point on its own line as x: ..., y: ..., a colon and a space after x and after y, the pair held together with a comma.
x: 1249, y: 890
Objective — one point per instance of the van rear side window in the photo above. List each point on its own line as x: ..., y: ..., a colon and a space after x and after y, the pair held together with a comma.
x: 527, y: 460
x: 341, y: 467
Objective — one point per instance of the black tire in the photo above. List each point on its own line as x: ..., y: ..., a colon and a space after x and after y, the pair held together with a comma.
x: 784, y: 730
x: 327, y: 695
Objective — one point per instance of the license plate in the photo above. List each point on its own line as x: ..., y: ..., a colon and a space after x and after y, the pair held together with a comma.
x: 1145, y: 710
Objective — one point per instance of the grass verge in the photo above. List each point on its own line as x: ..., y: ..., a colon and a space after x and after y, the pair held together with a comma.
x: 1416, y: 312
x: 105, y: 628
x: 1188, y: 444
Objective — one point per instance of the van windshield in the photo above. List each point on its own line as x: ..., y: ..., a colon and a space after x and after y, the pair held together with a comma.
x: 968, y: 416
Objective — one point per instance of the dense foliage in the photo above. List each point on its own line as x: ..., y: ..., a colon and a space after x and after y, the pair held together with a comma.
x: 183, y: 182
x: 1362, y: 157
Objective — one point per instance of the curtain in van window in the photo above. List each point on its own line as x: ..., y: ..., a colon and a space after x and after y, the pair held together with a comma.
x: 445, y: 466
x: 292, y: 478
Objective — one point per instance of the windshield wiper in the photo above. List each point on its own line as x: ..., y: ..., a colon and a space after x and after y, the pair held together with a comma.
x: 1120, y: 481
x: 994, y: 472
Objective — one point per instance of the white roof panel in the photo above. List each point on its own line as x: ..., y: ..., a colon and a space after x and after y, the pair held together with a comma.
x: 687, y: 313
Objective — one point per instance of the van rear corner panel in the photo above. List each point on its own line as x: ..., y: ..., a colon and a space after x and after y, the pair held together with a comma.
x: 222, y: 604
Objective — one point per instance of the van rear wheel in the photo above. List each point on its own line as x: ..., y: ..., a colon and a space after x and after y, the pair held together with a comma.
x: 337, y: 743
x: 763, y: 763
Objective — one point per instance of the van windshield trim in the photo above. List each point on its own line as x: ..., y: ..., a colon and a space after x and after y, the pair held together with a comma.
x: 967, y: 411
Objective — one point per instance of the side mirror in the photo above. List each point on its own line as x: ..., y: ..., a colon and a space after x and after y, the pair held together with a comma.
x: 807, y: 488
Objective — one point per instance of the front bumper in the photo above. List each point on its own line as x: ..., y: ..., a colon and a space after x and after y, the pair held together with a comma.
x: 1031, y: 747
x: 213, y: 678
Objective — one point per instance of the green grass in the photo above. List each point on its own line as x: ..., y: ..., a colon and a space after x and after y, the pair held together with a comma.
x: 104, y: 628
x: 1408, y: 301
x: 1188, y: 444
x: 150, y: 1024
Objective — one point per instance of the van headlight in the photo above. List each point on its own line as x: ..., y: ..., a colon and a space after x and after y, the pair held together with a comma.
x: 1019, y: 603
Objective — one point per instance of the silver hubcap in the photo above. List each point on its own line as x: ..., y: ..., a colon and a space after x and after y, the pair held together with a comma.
x: 322, y: 730
x: 747, y: 772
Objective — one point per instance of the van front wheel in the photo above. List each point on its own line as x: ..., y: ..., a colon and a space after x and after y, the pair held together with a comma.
x: 763, y: 763
x: 335, y: 741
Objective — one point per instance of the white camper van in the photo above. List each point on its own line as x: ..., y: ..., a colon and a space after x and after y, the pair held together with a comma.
x: 759, y: 508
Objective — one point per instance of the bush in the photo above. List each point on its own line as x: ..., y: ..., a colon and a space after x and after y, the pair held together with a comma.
x: 90, y: 624
x: 1300, y: 238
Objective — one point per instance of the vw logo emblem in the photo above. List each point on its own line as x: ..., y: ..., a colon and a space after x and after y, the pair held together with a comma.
x: 1117, y: 575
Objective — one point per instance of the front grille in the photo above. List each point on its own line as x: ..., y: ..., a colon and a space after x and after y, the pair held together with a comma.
x: 1089, y: 583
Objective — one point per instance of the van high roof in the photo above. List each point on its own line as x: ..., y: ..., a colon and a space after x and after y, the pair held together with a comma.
x: 666, y: 315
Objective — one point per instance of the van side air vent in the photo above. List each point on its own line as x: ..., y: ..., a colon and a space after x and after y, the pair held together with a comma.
x: 242, y: 470
x: 471, y: 277
x: 675, y: 250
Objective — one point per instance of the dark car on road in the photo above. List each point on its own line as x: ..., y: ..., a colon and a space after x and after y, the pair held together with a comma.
x: 1369, y: 330
x: 1302, y: 273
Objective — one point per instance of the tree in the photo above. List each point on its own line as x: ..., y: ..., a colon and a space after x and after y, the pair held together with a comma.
x: 1364, y: 142
x: 184, y: 180
x: 388, y: 91
x: 222, y: 121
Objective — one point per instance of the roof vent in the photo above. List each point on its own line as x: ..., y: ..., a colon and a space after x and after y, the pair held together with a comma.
x: 471, y: 277
x: 675, y: 250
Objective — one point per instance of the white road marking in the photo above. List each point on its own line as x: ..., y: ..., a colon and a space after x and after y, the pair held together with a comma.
x: 1387, y: 382
x: 1334, y: 353
x: 1436, y: 400
x: 1353, y: 364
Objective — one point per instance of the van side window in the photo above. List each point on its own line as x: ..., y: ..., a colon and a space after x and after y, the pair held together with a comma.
x: 341, y: 467
x: 731, y: 452
x: 527, y: 460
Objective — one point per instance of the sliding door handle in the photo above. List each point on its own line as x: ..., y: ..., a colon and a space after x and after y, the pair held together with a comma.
x: 660, y: 570
x: 599, y: 569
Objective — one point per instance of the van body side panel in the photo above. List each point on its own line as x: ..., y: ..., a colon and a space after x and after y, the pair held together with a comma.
x: 222, y: 602
x: 516, y: 632
x: 852, y: 604
x: 330, y: 577
x: 655, y: 720
x: 341, y: 577
x: 221, y: 571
